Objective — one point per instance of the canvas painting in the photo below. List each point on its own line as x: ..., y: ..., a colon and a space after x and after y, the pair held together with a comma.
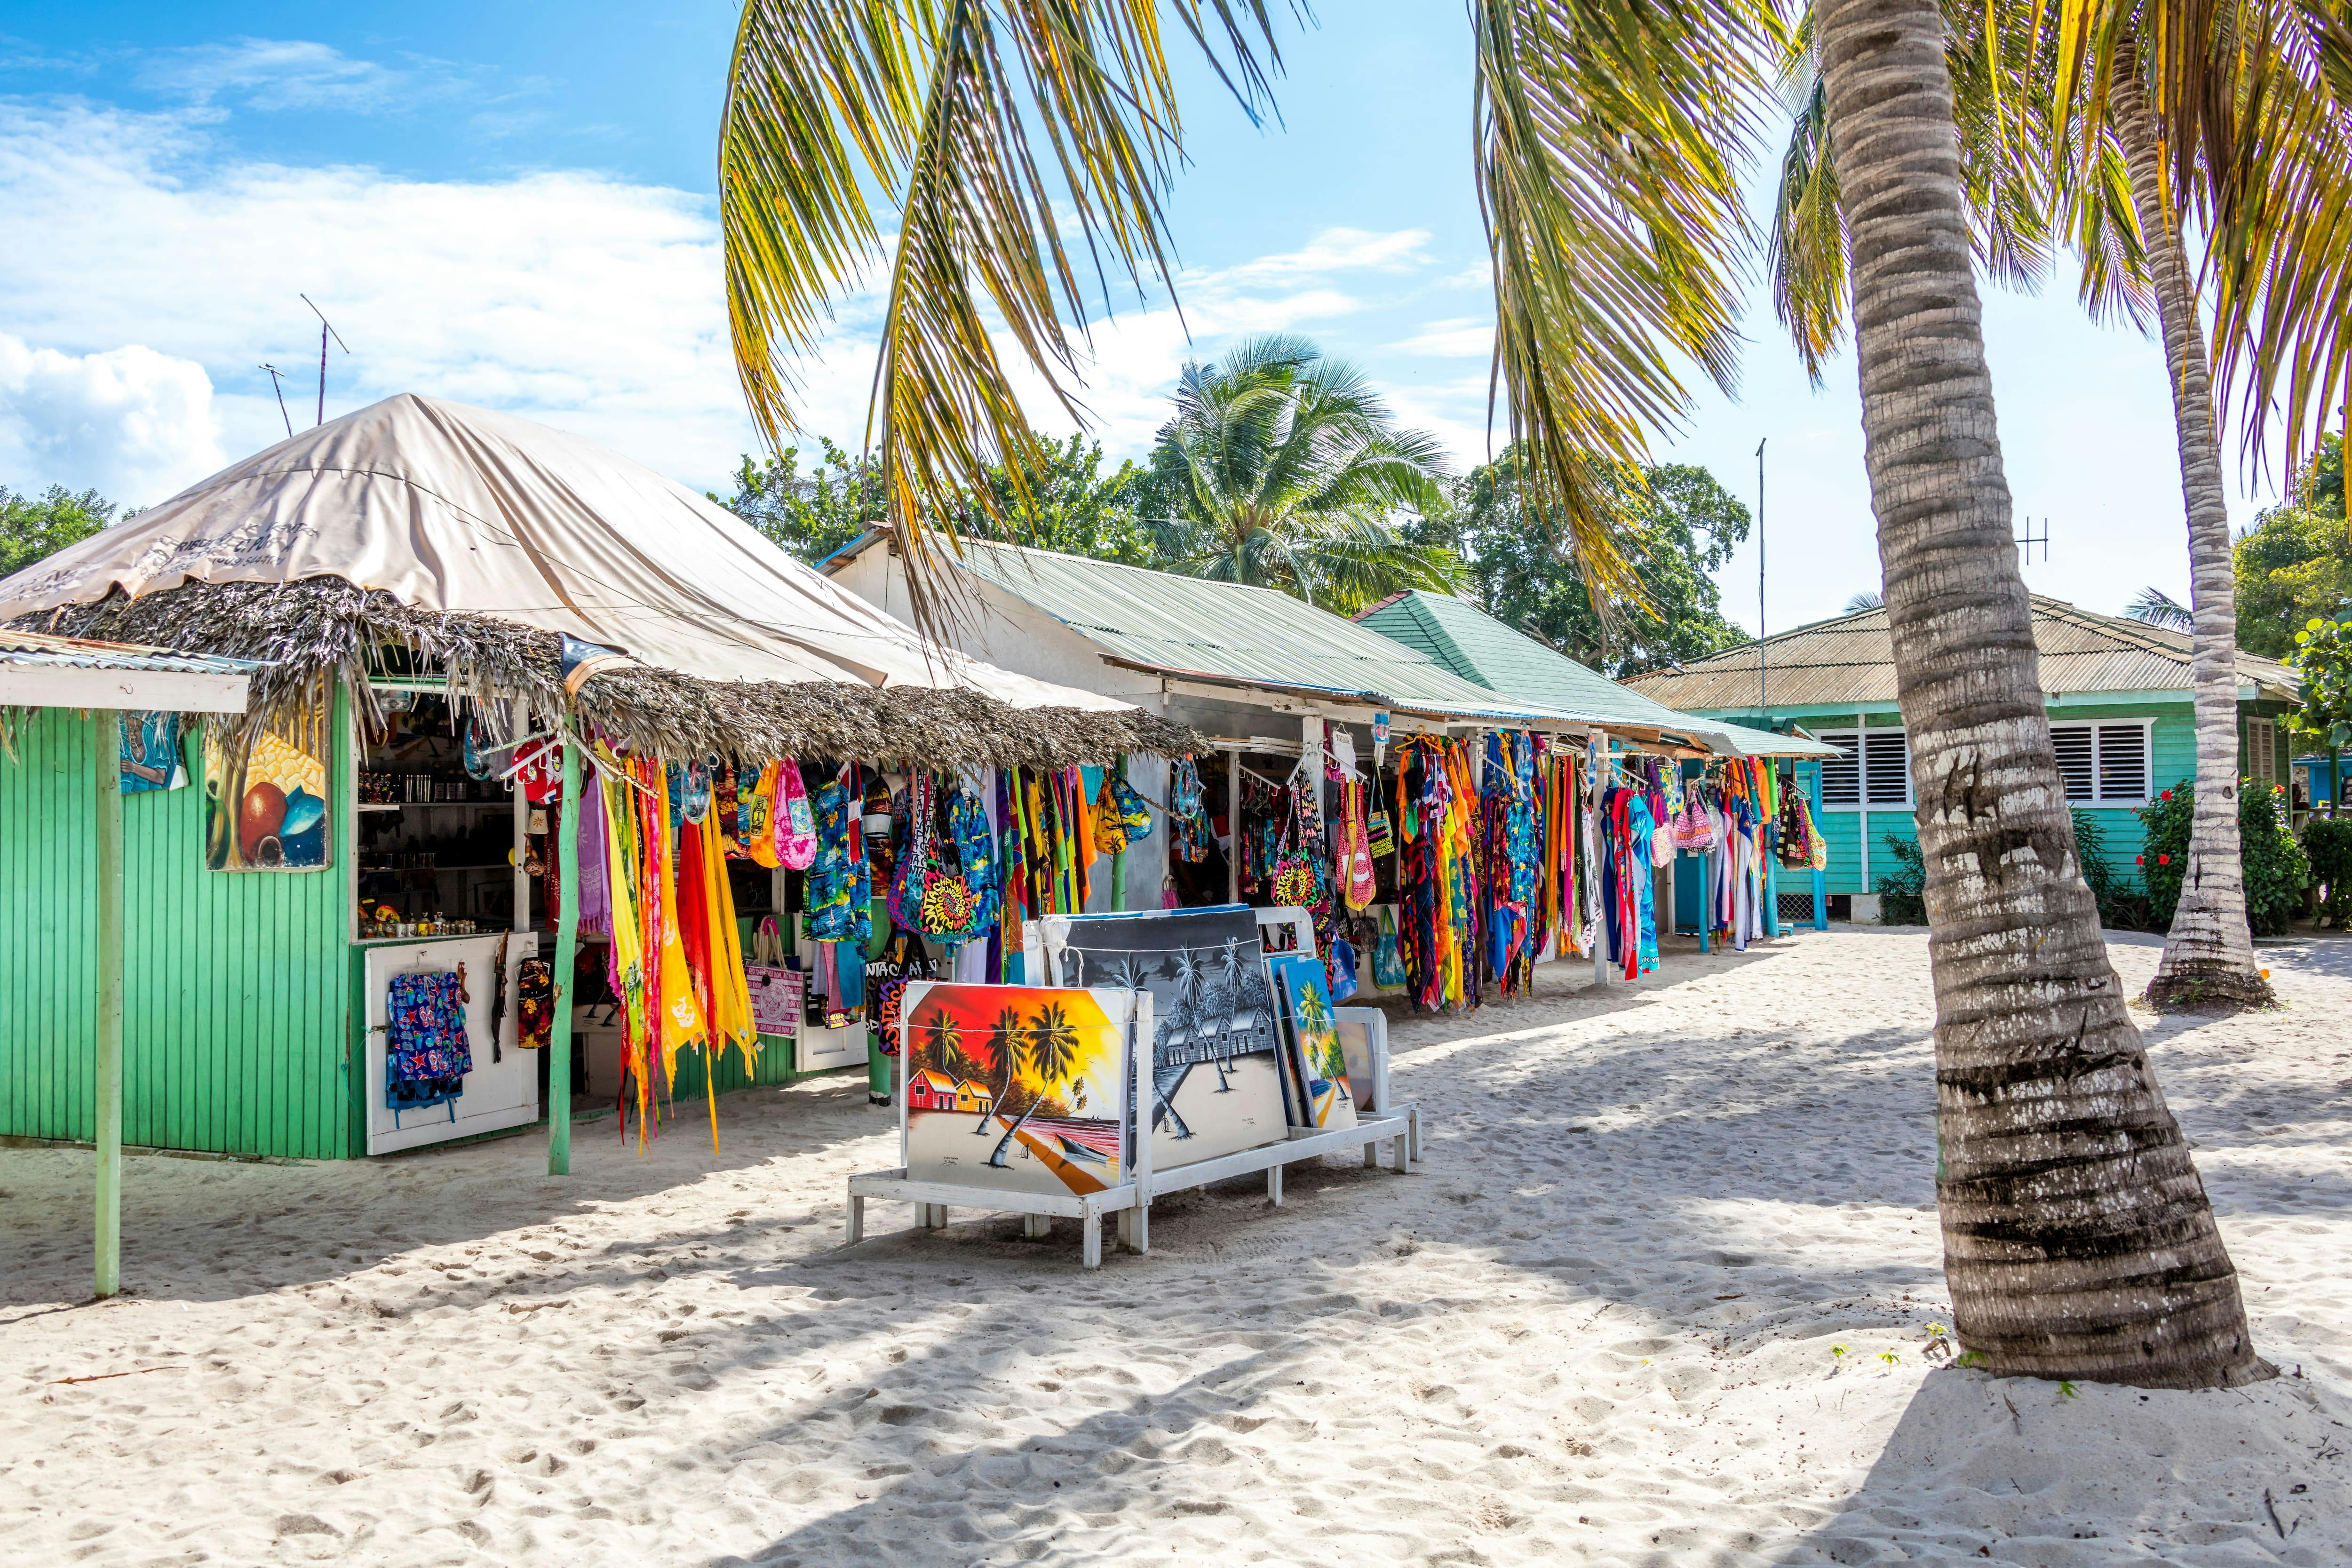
x: 266, y: 810
x: 1216, y: 1074
x: 150, y: 753
x: 1018, y: 1087
x: 1319, y: 1092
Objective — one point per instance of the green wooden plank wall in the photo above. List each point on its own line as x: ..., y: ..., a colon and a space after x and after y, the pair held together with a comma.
x: 2173, y: 758
x: 234, y: 986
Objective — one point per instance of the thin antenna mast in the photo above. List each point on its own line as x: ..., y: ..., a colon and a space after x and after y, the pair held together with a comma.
x: 1762, y: 707
x: 326, y: 331
x: 2029, y: 538
x: 276, y: 376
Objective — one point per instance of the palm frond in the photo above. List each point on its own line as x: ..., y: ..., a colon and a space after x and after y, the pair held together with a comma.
x: 1609, y: 137
x: 1027, y: 143
x: 2158, y: 608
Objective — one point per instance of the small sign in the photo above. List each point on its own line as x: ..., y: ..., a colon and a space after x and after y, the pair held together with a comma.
x: 1379, y: 729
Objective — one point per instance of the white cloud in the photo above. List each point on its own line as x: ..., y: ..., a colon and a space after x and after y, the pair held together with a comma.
x: 130, y: 422
x: 1458, y: 337
x: 282, y: 73
x: 591, y: 304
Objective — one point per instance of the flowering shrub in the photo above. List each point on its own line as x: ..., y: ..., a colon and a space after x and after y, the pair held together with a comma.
x: 2276, y: 871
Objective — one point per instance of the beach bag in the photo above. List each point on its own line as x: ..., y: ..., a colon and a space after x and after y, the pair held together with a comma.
x: 755, y: 818
x: 1358, y: 885
x: 1339, y: 968
x: 1133, y: 815
x: 1106, y: 822
x: 1693, y: 829
x: 775, y: 989
x: 534, y: 1003
x: 1388, y: 958
x: 795, y: 823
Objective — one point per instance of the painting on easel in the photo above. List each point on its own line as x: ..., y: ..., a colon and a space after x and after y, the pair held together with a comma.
x: 1017, y: 1086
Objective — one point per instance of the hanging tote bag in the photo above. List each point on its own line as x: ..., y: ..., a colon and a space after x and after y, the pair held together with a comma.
x: 775, y: 990
x: 1357, y: 882
x: 1387, y: 957
x: 755, y: 815
x: 794, y: 820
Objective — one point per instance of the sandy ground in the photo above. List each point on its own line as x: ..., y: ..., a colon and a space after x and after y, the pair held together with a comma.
x: 1601, y: 1324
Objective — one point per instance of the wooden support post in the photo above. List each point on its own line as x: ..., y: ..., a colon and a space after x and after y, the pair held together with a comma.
x: 1091, y: 1241
x: 1821, y: 901
x: 567, y: 944
x: 1597, y: 770
x: 1233, y: 827
x: 1118, y: 859
x: 105, y: 758
x: 857, y: 1219
x: 1036, y: 1227
x: 1274, y: 1185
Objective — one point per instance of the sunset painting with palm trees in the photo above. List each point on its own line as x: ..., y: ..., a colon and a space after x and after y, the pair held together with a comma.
x: 1016, y: 1087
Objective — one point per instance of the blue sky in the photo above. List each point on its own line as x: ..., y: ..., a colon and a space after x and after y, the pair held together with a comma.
x: 510, y: 204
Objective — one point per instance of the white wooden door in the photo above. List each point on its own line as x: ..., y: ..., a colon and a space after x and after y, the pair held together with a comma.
x: 502, y: 1090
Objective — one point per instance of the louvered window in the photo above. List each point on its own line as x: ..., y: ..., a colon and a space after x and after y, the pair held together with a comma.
x: 1873, y: 769
x: 2102, y: 765
x: 1840, y: 775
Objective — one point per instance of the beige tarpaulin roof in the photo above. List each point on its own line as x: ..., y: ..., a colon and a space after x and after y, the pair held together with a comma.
x: 454, y: 509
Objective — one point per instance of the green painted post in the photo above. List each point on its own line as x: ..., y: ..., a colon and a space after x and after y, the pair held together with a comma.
x: 105, y: 761
x: 1119, y: 858
x: 567, y: 941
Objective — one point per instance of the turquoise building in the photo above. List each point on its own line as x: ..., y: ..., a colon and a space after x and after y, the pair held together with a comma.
x: 2120, y: 708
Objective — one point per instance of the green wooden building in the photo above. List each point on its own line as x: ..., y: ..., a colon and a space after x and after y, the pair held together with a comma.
x: 2121, y: 716
x: 428, y: 589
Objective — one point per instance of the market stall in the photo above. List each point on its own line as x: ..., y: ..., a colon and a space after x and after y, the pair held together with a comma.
x: 538, y: 730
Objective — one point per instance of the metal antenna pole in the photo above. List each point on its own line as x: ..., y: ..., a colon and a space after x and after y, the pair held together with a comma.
x: 276, y: 376
x: 1762, y: 707
x: 325, y: 330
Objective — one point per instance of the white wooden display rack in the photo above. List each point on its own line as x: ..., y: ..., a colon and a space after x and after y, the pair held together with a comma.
x: 1130, y: 1200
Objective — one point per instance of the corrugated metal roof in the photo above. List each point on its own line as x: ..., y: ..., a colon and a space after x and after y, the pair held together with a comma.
x: 1850, y: 662
x: 1232, y: 633
x: 86, y: 653
x: 1477, y: 646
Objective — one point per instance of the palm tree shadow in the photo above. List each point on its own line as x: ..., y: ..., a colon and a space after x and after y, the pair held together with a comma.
x: 2023, y: 1471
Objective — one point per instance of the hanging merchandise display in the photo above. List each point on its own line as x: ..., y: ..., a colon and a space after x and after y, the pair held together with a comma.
x: 1438, y: 914
x: 904, y: 960
x: 1801, y: 845
x: 426, y: 1057
x: 775, y: 989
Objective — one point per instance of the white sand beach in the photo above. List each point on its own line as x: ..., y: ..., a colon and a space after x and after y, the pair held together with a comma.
x: 1600, y: 1325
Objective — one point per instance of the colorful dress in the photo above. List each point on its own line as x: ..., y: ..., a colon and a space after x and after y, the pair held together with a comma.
x: 426, y: 1057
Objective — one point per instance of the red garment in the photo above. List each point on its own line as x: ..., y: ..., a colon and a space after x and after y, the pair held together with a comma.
x: 693, y: 918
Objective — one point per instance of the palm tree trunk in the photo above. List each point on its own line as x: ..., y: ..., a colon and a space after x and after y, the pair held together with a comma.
x: 2208, y: 955
x: 2077, y: 1239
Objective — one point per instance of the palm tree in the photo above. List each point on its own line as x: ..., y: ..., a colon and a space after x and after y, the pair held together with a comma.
x: 2110, y: 200
x: 1863, y: 603
x: 1003, y: 1052
x: 1283, y: 468
x: 2077, y: 1239
x: 1050, y: 1047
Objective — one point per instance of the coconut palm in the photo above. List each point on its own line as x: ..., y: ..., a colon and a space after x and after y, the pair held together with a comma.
x: 2158, y: 608
x: 2078, y: 1240
x: 2036, y: 156
x: 1050, y: 1051
x: 1284, y: 468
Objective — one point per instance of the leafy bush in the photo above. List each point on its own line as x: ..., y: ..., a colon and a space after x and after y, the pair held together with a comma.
x: 2122, y: 905
x: 2276, y: 871
x: 2327, y: 843
x: 1903, y: 893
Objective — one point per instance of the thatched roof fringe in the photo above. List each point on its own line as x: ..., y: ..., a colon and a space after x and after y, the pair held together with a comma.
x: 322, y: 628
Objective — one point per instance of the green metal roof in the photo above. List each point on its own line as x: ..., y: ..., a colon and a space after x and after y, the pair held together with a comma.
x: 1477, y: 646
x: 1232, y: 633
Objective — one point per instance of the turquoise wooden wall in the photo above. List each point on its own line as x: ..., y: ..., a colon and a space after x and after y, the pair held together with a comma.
x: 2172, y: 758
x: 235, y: 993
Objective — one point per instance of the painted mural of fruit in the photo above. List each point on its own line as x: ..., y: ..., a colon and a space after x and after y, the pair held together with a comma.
x: 259, y: 818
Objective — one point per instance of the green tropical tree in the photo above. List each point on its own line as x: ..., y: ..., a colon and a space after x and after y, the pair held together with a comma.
x: 1676, y: 527
x: 2323, y: 657
x: 2078, y: 1241
x: 2295, y: 562
x: 1050, y: 1051
x: 35, y: 527
x: 1283, y: 468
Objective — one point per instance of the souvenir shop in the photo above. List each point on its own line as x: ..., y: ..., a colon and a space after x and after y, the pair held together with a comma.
x: 671, y: 807
x: 1442, y: 867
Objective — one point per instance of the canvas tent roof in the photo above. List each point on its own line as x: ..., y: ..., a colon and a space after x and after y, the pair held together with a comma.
x: 1474, y: 645
x: 1234, y: 634
x: 479, y: 539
